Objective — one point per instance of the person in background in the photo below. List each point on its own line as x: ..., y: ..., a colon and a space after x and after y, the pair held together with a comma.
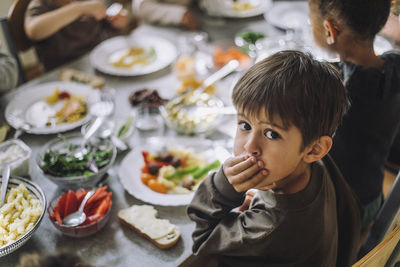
x: 392, y: 31
x: 63, y: 30
x: 363, y: 140
x: 165, y: 12
x: 8, y: 72
x: 392, y: 26
x: 303, y: 212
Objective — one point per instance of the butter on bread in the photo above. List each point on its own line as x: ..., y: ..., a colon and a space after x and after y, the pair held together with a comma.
x: 142, y: 219
x: 72, y: 75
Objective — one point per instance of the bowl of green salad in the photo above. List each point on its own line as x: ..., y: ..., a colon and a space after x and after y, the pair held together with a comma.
x: 59, y: 162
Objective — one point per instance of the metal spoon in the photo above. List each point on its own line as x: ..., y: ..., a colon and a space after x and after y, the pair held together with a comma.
x: 78, y: 217
x: 81, y: 150
x: 4, y: 183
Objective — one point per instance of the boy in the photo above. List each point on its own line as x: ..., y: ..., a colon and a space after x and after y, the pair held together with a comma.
x: 303, y: 213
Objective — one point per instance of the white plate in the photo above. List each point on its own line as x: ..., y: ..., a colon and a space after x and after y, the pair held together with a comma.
x: 285, y: 15
x: 165, y: 54
x: 130, y: 168
x: 17, y: 109
x: 225, y: 8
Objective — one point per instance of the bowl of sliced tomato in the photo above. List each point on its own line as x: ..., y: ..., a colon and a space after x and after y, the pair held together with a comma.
x: 97, y: 210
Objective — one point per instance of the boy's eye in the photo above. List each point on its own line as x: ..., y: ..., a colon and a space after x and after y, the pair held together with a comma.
x: 244, y: 126
x: 272, y: 134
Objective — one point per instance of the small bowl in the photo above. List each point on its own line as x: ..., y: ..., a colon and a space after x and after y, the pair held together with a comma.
x: 38, y: 193
x: 80, y: 230
x: 75, y: 181
x: 19, y: 164
x: 177, y: 119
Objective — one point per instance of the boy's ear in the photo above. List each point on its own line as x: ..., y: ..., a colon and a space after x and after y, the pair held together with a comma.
x: 318, y: 149
x: 331, y: 31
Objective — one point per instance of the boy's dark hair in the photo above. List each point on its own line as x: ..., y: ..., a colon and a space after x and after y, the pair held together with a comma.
x: 302, y: 91
x: 364, y: 17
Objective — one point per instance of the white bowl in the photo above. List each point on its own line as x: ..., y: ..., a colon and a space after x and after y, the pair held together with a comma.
x: 19, y: 164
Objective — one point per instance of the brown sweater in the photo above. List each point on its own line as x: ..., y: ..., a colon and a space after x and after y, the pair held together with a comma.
x: 70, y: 42
x: 318, y: 226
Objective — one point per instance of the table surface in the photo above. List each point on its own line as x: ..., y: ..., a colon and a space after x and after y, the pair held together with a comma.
x: 116, y: 244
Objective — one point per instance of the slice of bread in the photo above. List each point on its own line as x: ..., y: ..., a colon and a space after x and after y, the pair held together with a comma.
x: 142, y: 219
x: 94, y: 81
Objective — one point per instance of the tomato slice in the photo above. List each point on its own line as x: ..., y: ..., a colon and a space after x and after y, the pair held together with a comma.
x: 61, y: 205
x: 80, y: 194
x: 71, y: 204
x: 102, y: 209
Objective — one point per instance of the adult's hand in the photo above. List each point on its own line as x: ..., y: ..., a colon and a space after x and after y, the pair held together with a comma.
x: 93, y: 8
x: 189, y: 21
x: 120, y: 21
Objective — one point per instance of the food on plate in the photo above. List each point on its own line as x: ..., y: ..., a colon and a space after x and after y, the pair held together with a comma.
x: 192, y: 84
x: 175, y: 171
x: 128, y: 58
x: 244, y: 5
x: 142, y: 219
x: 72, y: 75
x: 148, y: 97
x: 222, y: 57
x: 59, y: 107
x: 178, y: 118
x: 252, y: 37
x: 63, y: 162
x: 96, y: 207
x: 18, y: 215
x: 185, y: 68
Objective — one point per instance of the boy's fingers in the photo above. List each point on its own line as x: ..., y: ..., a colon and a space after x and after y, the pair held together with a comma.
x: 239, y: 175
x: 251, y: 182
x: 243, y: 166
x: 235, y: 160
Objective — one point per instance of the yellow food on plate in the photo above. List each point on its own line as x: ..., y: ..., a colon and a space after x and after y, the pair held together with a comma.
x: 244, y: 5
x: 18, y: 215
x: 132, y: 56
x: 74, y: 109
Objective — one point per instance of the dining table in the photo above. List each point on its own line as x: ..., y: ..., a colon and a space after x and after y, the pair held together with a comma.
x: 116, y: 244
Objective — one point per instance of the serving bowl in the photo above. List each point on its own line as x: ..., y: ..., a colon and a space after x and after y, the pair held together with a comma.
x: 80, y: 230
x: 176, y: 116
x: 37, y: 192
x: 16, y: 153
x: 85, y: 177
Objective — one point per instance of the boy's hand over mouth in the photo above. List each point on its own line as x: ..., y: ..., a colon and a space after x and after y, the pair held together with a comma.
x: 245, y: 172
